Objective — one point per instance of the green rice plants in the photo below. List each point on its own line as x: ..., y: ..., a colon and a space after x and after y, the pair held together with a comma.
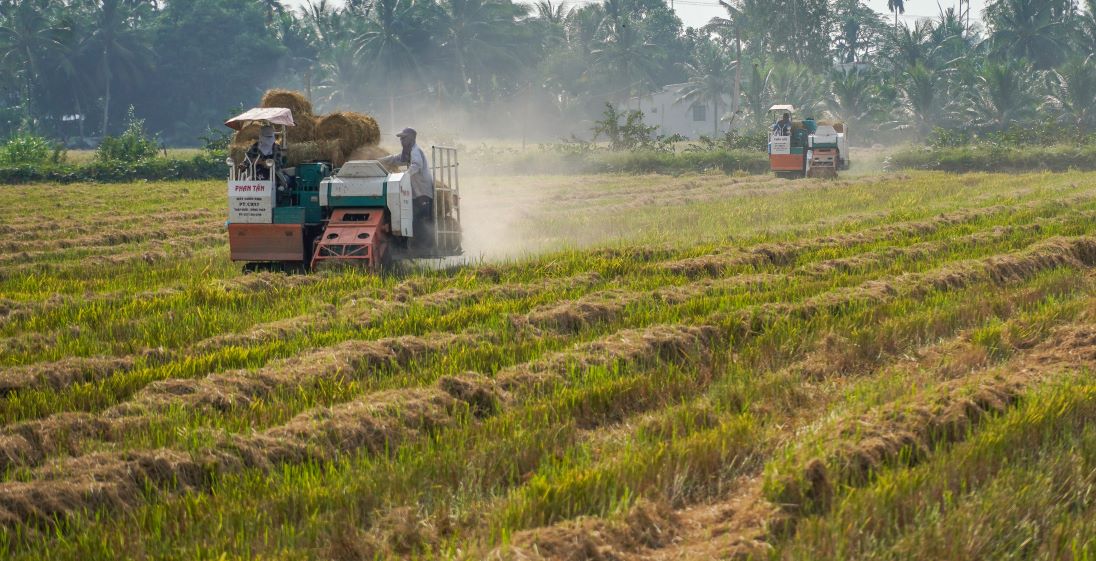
x: 728, y: 359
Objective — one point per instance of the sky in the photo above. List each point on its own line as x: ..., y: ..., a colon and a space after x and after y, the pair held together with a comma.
x: 695, y: 13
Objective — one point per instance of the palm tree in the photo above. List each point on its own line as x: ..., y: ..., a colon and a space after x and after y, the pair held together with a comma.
x: 1073, y: 93
x: 898, y: 7
x: 552, y: 18
x: 758, y: 93
x: 710, y: 78
x: 481, y: 36
x: 387, y: 47
x: 924, y: 98
x: 1004, y: 95
x: 913, y: 45
x: 340, y: 73
x: 753, y: 19
x: 1087, y: 36
x: 1036, y: 30
x: 798, y: 85
x: 624, y: 52
x: 273, y: 9
x: 323, y: 20
x: 853, y: 96
x: 583, y: 26
x: 28, y: 37
x: 118, y: 37
x: 69, y: 65
x: 551, y: 13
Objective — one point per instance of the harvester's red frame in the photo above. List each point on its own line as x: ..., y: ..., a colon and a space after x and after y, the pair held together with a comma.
x: 355, y: 234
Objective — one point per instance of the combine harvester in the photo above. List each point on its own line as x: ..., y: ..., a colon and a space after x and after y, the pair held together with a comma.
x: 810, y: 150
x: 300, y: 216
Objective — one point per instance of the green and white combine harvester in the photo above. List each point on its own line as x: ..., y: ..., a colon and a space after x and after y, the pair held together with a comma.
x: 299, y: 217
x: 810, y: 149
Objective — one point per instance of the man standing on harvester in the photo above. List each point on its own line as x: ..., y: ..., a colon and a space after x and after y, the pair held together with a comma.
x: 422, y: 185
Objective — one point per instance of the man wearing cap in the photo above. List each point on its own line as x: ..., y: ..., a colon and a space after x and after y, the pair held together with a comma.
x: 422, y: 185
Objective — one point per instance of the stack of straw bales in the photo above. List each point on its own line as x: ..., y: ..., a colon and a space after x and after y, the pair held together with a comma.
x: 333, y: 137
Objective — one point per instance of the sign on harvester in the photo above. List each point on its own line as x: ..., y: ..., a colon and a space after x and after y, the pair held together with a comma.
x: 251, y: 202
x: 780, y: 144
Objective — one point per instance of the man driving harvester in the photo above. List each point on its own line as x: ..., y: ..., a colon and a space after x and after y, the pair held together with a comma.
x: 422, y: 185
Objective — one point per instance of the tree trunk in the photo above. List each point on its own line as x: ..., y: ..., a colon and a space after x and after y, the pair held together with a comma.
x: 106, y: 94
x: 463, y: 68
x: 79, y: 113
x: 391, y: 108
x: 737, y: 76
x: 715, y: 116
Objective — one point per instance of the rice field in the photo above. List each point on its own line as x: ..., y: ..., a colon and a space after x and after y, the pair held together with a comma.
x: 626, y: 368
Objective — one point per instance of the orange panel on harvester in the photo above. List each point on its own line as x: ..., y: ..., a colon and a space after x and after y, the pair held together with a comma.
x: 786, y: 162
x: 266, y: 242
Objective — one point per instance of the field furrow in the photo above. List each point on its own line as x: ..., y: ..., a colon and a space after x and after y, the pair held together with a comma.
x: 731, y: 367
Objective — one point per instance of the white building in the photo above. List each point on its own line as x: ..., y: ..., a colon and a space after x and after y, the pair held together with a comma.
x: 691, y: 120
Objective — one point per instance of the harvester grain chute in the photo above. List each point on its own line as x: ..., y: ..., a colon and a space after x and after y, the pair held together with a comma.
x: 807, y: 148
x: 311, y: 213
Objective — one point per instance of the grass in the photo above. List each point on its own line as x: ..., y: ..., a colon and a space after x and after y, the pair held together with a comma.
x: 85, y: 156
x: 905, y: 355
x: 996, y: 158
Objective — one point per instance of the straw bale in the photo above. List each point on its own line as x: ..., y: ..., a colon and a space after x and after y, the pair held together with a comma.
x: 300, y: 140
x: 313, y: 151
x: 297, y: 103
x: 350, y: 129
x: 246, y: 135
x: 304, y: 131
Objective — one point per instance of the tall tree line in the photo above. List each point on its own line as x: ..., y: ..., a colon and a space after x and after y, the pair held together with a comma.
x: 70, y: 68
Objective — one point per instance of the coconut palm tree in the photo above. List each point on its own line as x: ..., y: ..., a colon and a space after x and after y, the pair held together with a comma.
x: 551, y: 13
x: 1004, y: 95
x: 924, y: 98
x: 898, y: 7
x: 342, y: 75
x: 322, y: 19
x: 913, y: 45
x: 798, y: 85
x: 751, y: 19
x: 118, y: 36
x: 1087, y: 37
x: 711, y: 77
x: 552, y: 19
x: 853, y: 96
x: 1036, y: 30
x: 1073, y: 93
x: 68, y: 64
x: 483, y: 38
x: 758, y: 93
x: 387, y: 47
x: 28, y: 38
x: 272, y: 8
x: 624, y: 52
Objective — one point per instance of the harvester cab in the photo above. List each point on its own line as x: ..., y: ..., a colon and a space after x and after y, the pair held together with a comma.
x: 806, y: 148
x: 359, y: 214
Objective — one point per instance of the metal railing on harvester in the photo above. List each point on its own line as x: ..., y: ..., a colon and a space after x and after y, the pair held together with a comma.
x: 445, y: 167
